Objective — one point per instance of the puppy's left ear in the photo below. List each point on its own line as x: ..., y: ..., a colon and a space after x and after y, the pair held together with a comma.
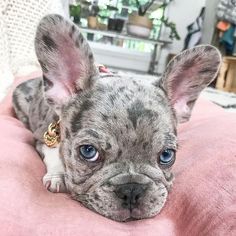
x: 187, y: 75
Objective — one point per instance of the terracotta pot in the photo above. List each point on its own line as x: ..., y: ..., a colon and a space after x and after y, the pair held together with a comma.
x: 92, y: 22
x: 143, y: 21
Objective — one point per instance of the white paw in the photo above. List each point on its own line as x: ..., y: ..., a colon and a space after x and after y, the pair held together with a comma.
x: 54, y: 182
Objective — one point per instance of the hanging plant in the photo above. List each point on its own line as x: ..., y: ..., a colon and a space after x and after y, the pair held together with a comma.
x: 172, y: 26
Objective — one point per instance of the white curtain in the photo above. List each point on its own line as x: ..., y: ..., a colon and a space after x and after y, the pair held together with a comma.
x: 18, y: 23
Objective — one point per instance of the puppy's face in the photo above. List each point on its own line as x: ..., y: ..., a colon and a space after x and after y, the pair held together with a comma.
x: 119, y: 143
x: 118, y: 133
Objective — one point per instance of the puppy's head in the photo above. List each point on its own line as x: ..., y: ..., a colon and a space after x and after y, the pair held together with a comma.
x: 118, y: 139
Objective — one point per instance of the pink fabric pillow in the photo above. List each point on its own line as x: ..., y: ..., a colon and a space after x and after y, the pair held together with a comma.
x: 202, y: 201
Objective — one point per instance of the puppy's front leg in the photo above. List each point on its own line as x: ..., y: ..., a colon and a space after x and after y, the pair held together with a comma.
x: 53, y: 180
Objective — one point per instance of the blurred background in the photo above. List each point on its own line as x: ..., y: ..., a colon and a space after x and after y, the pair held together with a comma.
x: 138, y: 36
x: 149, y: 31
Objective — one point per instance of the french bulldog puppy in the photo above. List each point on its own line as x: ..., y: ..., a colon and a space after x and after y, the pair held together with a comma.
x: 118, y: 137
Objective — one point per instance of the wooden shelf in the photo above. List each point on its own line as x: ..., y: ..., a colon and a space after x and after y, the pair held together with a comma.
x: 124, y: 36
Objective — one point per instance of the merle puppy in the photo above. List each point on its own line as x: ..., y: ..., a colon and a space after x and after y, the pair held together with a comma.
x: 118, y: 137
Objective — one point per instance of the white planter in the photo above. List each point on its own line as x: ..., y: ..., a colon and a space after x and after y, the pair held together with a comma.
x: 138, y: 30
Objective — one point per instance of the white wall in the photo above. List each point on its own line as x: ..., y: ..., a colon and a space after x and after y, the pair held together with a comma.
x: 183, y: 13
x: 209, y: 21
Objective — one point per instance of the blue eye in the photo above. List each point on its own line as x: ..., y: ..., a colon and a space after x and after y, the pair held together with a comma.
x: 89, y: 153
x: 167, y: 157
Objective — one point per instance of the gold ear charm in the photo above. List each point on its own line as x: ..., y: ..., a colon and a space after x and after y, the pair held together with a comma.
x: 52, y: 135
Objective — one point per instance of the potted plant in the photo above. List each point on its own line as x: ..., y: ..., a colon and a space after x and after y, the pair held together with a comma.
x: 75, y: 11
x: 139, y: 23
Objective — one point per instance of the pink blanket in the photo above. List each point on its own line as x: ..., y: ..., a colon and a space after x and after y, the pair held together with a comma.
x: 202, y: 201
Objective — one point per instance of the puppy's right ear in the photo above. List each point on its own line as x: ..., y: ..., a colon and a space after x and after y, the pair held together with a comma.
x: 65, y: 57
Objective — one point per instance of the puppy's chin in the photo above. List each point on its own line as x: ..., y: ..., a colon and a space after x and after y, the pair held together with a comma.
x: 125, y: 215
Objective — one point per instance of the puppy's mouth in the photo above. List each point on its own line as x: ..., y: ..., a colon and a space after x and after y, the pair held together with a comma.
x: 124, y: 215
x: 131, y: 215
x: 131, y: 218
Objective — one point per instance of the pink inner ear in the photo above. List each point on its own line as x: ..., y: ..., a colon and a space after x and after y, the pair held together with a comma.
x: 70, y: 69
x: 180, y: 82
x: 184, y: 87
x: 183, y: 111
x: 70, y: 63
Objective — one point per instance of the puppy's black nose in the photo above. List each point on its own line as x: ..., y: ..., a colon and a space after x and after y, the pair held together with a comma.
x: 130, y: 194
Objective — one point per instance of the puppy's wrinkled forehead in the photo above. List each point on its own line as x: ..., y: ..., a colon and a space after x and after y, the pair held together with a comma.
x: 126, y: 108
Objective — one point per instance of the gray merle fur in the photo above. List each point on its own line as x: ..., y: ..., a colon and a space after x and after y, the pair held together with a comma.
x: 129, y: 120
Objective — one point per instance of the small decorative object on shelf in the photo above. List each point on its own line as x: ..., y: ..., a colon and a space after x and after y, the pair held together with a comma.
x: 93, y: 15
x: 113, y: 23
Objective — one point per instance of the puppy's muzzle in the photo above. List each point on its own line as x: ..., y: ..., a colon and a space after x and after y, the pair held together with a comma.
x: 130, y: 194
